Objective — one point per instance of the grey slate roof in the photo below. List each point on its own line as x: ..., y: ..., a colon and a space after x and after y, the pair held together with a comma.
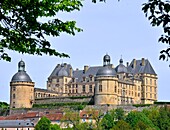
x: 21, y: 76
x: 16, y: 123
x: 58, y: 68
x: 106, y: 71
x: 91, y: 71
x: 147, y: 68
x: 79, y: 74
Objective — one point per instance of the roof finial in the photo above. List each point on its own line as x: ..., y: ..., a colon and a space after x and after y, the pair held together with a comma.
x: 121, y: 60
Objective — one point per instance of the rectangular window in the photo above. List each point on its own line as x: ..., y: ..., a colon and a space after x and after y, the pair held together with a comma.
x: 150, y: 81
x: 91, y: 78
x: 150, y: 95
x: 13, y: 96
x: 84, y: 89
x: 57, y: 80
x: 65, y: 89
x: 150, y: 89
x: 14, y: 88
x: 155, y: 82
x: 138, y: 88
x: 115, y: 89
x: 90, y: 88
x: 100, y: 88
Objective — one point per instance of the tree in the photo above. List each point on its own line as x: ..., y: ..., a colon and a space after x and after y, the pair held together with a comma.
x: 158, y: 13
x: 134, y: 117
x: 119, y: 114
x: 121, y: 125
x: 164, y: 118
x: 22, y: 31
x: 71, y: 118
x: 54, y: 127
x: 153, y: 114
x: 43, y: 124
x: 107, y: 122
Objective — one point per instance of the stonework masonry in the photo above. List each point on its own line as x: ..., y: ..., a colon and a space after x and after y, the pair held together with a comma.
x: 135, y: 83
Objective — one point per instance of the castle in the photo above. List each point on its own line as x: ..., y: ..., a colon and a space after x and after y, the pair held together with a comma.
x: 135, y: 83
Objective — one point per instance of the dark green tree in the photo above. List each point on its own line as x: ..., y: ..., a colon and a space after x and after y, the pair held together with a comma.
x: 119, y: 114
x: 22, y: 30
x: 54, y: 127
x: 43, y: 124
x: 153, y: 114
x: 107, y: 122
x: 164, y: 118
x: 121, y: 125
x: 134, y: 117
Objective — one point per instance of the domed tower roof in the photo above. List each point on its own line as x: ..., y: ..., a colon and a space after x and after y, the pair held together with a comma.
x: 106, y: 71
x: 62, y: 71
x: 21, y: 75
x: 121, y: 68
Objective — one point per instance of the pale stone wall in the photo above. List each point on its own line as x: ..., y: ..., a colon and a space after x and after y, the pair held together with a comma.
x: 21, y: 94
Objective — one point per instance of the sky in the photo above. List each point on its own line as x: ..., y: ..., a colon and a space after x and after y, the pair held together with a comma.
x: 116, y: 28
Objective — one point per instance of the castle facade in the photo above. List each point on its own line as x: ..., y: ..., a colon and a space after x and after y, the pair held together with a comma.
x: 135, y: 83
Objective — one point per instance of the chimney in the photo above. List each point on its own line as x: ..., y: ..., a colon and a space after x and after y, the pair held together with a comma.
x: 58, y: 65
x: 112, y: 66
x: 143, y: 61
x: 134, y: 63
x: 127, y: 64
x: 85, y: 68
x: 71, y: 72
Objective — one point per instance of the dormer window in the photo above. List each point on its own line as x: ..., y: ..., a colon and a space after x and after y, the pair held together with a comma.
x: 84, y: 79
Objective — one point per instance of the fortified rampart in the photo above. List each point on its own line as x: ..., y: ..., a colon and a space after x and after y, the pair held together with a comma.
x: 64, y: 100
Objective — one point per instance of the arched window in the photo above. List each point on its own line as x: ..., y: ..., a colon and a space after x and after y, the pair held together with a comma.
x: 100, y: 88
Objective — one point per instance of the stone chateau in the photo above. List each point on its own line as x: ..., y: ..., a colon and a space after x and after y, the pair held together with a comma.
x: 135, y: 83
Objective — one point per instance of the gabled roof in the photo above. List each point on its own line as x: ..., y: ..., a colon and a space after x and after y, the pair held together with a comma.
x: 147, y: 68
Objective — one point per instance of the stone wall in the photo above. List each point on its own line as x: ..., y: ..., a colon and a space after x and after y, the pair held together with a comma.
x: 63, y: 100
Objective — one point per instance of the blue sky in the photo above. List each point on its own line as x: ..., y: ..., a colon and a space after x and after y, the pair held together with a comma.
x: 116, y: 28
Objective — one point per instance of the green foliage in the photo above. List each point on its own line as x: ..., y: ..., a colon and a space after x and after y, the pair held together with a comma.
x: 84, y: 126
x: 43, y: 124
x: 121, y: 125
x: 161, y: 103
x: 22, y: 30
x: 4, y: 105
x: 119, y: 114
x: 134, y: 117
x: 107, y: 122
x: 158, y: 12
x: 54, y: 127
x: 142, y: 105
x: 164, y: 118
x: 73, y: 105
x: 152, y: 114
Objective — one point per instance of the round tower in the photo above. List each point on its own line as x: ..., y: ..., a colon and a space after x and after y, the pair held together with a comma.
x: 106, y: 84
x: 21, y: 89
